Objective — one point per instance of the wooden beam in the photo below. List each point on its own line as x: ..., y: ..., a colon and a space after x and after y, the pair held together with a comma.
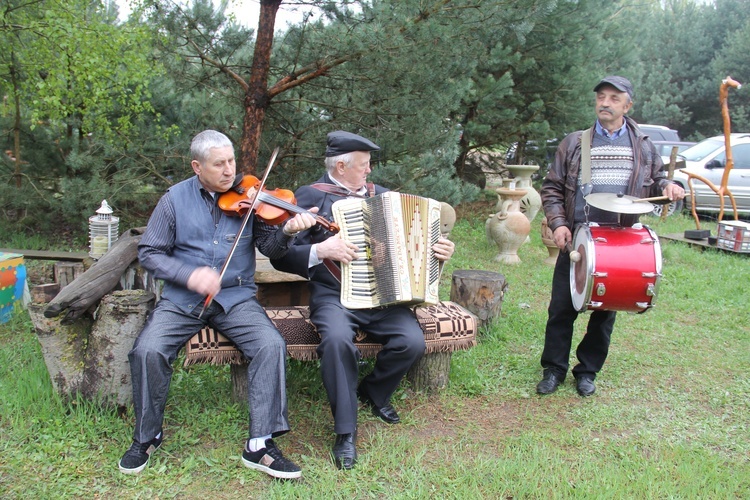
x: 47, y: 254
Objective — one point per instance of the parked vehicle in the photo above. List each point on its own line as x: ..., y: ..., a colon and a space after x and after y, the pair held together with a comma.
x: 665, y: 148
x: 664, y: 138
x: 708, y: 159
x: 659, y: 132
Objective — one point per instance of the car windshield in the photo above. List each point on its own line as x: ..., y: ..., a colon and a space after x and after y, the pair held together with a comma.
x: 702, y: 149
x: 666, y: 149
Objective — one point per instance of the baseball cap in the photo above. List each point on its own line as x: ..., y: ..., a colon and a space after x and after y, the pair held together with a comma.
x: 619, y: 82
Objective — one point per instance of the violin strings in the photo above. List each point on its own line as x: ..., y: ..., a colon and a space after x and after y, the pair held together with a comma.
x: 272, y: 200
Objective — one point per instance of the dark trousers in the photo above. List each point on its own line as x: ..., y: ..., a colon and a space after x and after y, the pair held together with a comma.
x: 247, y: 325
x: 403, y: 344
x: 593, y: 348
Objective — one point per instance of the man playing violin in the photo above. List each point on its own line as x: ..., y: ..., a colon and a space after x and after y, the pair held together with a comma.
x: 619, y: 158
x: 186, y: 243
x: 348, y: 164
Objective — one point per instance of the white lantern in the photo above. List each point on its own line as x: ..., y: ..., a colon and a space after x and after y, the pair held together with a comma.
x: 103, y: 231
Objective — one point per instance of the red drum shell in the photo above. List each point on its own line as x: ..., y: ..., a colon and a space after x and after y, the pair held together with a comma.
x: 619, y: 269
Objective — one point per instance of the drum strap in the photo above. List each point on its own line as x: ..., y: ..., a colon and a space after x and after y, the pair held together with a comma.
x: 586, y: 156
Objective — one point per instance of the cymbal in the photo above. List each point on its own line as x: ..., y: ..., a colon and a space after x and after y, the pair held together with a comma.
x: 621, y: 204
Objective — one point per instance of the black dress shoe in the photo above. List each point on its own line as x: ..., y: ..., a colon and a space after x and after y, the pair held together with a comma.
x: 585, y: 386
x: 548, y: 384
x: 385, y: 413
x: 345, y: 451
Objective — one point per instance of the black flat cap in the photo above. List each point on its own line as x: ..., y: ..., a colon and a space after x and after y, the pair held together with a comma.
x: 619, y: 82
x: 340, y: 142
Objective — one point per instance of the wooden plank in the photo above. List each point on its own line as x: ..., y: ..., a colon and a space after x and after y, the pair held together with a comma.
x: 41, y: 294
x: 47, y: 254
x: 702, y: 244
x: 66, y: 272
x: 265, y: 272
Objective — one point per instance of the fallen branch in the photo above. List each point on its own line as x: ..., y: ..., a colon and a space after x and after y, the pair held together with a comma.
x: 86, y: 290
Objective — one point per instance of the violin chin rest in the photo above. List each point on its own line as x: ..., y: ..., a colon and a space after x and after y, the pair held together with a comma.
x: 237, y: 187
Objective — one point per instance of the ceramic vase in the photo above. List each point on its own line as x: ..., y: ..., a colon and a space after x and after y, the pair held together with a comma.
x: 548, y: 240
x: 508, y: 228
x: 532, y: 202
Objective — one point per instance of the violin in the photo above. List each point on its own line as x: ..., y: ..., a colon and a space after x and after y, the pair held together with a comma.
x: 271, y: 206
x: 274, y: 206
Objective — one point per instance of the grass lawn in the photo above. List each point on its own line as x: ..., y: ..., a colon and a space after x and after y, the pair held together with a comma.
x: 670, y: 418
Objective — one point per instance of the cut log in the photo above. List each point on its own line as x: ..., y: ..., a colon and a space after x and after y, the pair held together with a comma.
x: 63, y: 348
x: 90, y: 357
x: 103, y: 277
x: 120, y: 319
x: 481, y: 292
x: 431, y: 373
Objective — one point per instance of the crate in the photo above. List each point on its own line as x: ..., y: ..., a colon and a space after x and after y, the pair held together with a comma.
x: 734, y: 236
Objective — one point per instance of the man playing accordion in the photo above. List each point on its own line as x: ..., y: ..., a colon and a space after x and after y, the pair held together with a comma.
x: 316, y: 255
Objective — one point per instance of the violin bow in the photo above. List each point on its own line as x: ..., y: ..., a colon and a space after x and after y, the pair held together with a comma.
x: 210, y: 298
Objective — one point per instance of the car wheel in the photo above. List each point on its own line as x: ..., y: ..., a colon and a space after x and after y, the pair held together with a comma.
x: 675, y: 206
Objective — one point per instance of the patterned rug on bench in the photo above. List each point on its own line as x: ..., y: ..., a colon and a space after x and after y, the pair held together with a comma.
x: 447, y: 327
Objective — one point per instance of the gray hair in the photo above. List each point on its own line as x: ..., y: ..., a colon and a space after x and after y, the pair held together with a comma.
x: 331, y: 161
x: 203, y: 142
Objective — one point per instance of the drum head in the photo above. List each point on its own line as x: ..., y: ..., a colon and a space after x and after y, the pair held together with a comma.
x: 581, y: 279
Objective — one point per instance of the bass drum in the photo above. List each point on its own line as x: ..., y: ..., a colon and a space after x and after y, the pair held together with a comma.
x: 619, y: 268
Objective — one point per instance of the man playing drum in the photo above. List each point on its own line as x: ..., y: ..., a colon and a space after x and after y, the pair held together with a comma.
x: 619, y: 159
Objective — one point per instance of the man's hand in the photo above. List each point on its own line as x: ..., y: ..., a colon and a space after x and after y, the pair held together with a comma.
x: 562, y: 237
x: 443, y: 249
x: 335, y: 248
x: 673, y: 191
x: 300, y: 222
x: 204, y: 281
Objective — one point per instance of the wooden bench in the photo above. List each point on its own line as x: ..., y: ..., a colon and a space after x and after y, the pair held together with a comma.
x: 447, y: 326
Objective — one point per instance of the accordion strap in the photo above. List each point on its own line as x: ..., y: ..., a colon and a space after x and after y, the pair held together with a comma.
x: 333, y: 268
x: 343, y: 192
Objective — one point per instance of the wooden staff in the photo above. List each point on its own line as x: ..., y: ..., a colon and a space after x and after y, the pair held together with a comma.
x: 723, y: 98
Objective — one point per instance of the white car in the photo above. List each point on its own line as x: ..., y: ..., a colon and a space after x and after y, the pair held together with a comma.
x: 708, y: 159
x: 665, y: 148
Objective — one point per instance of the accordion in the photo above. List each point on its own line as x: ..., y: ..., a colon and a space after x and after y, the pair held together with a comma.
x: 396, y: 264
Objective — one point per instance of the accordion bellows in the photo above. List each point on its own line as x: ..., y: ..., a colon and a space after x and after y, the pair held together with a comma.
x: 395, y: 233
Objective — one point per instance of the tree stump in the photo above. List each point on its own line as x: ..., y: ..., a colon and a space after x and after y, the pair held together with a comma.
x: 481, y: 292
x: 431, y: 373
x: 63, y: 347
x: 91, y: 357
x: 120, y: 319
